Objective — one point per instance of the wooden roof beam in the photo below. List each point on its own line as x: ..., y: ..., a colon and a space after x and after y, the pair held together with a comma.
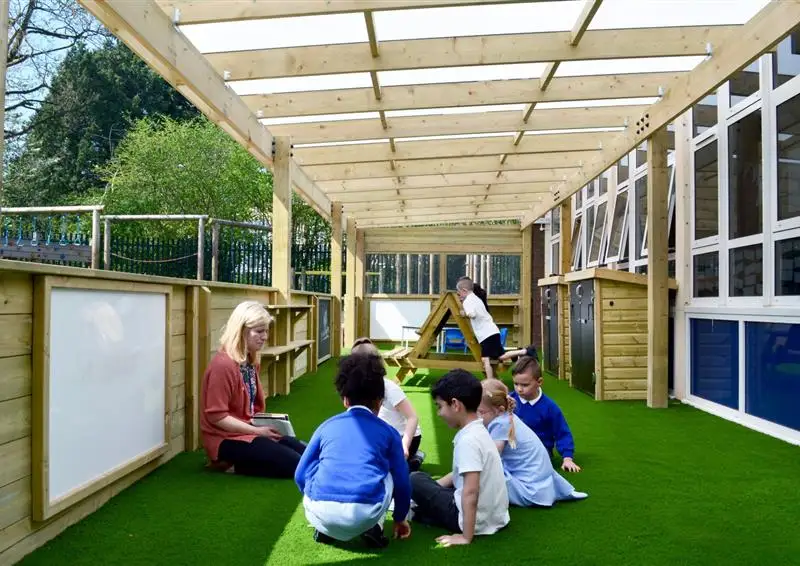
x: 509, y: 209
x: 474, y: 93
x: 205, y: 11
x: 761, y: 33
x: 511, y: 190
x: 149, y: 33
x: 452, y: 199
x: 470, y: 147
x: 456, y: 124
x: 541, y: 47
x: 368, y: 171
x: 452, y: 218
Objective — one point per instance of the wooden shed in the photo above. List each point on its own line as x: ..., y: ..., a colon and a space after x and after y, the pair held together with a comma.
x: 606, y: 317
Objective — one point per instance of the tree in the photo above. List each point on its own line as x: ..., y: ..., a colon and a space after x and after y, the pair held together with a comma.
x: 166, y: 166
x: 94, y: 98
x: 40, y: 33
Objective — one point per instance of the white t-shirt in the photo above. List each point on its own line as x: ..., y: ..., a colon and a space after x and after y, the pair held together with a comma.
x: 475, y: 451
x: 388, y: 411
x: 482, y: 323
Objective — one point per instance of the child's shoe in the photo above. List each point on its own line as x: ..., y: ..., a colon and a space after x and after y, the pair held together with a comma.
x: 322, y: 538
x: 415, y: 462
x: 374, y: 537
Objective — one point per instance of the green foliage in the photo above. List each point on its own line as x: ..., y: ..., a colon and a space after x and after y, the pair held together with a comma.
x: 94, y: 98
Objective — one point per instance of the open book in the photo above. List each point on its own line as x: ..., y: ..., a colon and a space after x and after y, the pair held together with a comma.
x: 279, y: 421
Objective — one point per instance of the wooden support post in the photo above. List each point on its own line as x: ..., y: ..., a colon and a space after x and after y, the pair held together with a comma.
x: 95, y: 239
x: 683, y: 242
x: 657, y: 282
x: 526, y: 285
x: 360, y: 279
x: 565, y: 259
x: 4, y: 48
x: 336, y: 279
x: 107, y: 244
x: 191, y: 388
x: 201, y: 249
x: 215, y: 252
x: 408, y: 274
x: 564, y: 267
x: 350, y: 314
x: 281, y: 258
x: 488, y: 285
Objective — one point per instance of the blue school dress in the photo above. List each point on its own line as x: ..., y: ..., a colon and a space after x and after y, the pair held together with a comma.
x: 530, y: 477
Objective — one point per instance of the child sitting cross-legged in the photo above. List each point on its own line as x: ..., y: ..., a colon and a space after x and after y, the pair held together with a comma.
x: 473, y: 499
x: 530, y: 477
x: 354, y: 465
x: 540, y: 413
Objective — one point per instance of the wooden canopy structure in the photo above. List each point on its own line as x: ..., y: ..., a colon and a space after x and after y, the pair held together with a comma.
x: 384, y: 113
x: 372, y: 93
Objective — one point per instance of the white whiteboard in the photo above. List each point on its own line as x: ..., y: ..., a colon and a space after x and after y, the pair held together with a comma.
x: 107, y: 383
x: 388, y: 316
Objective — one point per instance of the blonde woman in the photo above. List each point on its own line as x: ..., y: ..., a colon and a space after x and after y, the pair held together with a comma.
x: 232, y: 394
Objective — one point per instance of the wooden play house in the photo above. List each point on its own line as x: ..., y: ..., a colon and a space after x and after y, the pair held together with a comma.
x: 409, y: 359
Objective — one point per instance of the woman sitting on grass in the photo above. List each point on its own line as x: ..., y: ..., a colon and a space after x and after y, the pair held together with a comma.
x: 232, y: 394
x: 530, y: 477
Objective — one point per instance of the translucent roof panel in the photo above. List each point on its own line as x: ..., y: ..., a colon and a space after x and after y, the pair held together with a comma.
x: 624, y: 14
x: 492, y: 19
x: 457, y: 137
x: 454, y: 110
x: 461, y: 74
x: 301, y: 84
x: 277, y: 33
x: 628, y: 66
x: 319, y: 118
x: 333, y: 144
x: 598, y: 103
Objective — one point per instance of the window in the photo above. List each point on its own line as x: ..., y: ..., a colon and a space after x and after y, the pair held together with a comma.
x: 597, y: 234
x: 622, y: 168
x: 641, y: 214
x: 788, y: 158
x: 555, y: 223
x: 706, y: 192
x: 715, y: 361
x: 786, y: 63
x: 641, y: 155
x: 744, y: 176
x: 603, y: 184
x: 706, y: 275
x: 618, y: 225
x: 744, y: 83
x: 772, y: 379
x: 787, y: 267
x: 670, y: 215
x: 746, y: 271
x: 577, y: 236
x: 704, y: 114
x: 556, y: 258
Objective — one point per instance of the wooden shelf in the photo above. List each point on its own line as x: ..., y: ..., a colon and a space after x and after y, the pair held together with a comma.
x: 290, y: 307
x: 275, y: 351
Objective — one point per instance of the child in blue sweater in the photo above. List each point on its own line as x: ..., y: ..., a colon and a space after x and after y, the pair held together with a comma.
x: 354, y: 464
x: 540, y: 413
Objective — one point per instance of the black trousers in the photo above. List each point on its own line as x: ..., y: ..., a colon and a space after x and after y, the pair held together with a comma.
x: 436, y: 505
x: 414, y: 446
x: 263, y: 457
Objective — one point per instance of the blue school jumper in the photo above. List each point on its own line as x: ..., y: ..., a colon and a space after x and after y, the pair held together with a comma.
x: 545, y: 418
x: 348, y: 459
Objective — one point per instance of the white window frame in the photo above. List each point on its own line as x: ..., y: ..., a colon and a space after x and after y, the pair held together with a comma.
x: 709, y: 136
x: 706, y: 301
x: 782, y: 300
x: 670, y: 204
x: 624, y: 233
x: 577, y: 241
x: 782, y: 94
x: 739, y: 415
x: 596, y: 209
x: 733, y: 109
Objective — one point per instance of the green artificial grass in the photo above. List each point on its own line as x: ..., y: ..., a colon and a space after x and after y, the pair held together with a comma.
x: 674, y: 486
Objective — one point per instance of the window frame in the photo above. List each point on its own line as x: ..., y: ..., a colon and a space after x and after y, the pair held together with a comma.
x: 624, y: 232
x: 782, y: 94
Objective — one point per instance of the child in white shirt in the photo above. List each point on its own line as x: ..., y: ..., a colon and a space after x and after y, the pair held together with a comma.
x: 486, y: 331
x: 397, y: 411
x: 473, y: 499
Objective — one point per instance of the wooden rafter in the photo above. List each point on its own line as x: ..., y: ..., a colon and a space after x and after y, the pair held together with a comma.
x: 373, y: 197
x: 470, y: 147
x: 763, y: 31
x: 411, y: 220
x: 463, y: 51
x: 475, y: 93
x: 457, y: 124
x: 451, y: 198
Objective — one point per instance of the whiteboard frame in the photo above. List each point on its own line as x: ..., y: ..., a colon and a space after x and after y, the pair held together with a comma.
x: 42, y: 508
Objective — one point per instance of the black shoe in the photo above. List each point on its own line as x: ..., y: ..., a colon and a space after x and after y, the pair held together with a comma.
x: 322, y: 538
x: 415, y: 462
x: 374, y: 538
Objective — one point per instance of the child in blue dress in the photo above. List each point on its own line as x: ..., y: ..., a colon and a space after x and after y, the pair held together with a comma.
x: 530, y: 477
x: 354, y: 465
x: 541, y: 413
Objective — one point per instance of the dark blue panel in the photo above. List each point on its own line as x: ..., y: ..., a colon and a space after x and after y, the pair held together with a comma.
x: 715, y: 361
x: 773, y: 372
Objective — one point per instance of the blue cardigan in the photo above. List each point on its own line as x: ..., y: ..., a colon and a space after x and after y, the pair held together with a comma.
x: 347, y: 459
x: 547, y: 421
